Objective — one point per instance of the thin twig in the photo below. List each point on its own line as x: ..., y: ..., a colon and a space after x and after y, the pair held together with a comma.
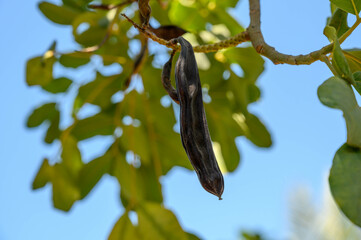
x: 110, y: 6
x: 230, y: 42
x: 349, y: 31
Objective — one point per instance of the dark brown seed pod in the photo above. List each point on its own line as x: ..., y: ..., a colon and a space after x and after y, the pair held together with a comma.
x: 193, y: 123
x: 167, y: 68
x: 168, y: 32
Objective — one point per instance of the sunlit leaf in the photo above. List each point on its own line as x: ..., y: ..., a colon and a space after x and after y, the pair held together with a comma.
x: 100, y: 91
x: 222, y: 16
x: 99, y: 124
x: 139, y: 183
x: 156, y: 222
x: 65, y: 191
x: 187, y: 17
x: 226, y: 4
x: 43, y: 175
x: 39, y: 70
x: 70, y: 156
x: 250, y: 61
x: 124, y: 229
x: 90, y: 28
x: 217, y: 114
x: 353, y: 57
x: 92, y: 172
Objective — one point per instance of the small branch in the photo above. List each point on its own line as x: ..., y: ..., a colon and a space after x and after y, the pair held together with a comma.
x: 231, y: 42
x: 110, y: 6
x: 256, y: 37
x: 348, y: 32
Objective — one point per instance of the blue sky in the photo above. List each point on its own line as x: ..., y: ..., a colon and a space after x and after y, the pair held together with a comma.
x: 305, y: 134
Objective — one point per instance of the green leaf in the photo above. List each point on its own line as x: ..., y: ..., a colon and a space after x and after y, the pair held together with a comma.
x: 139, y: 183
x: 340, y: 63
x: 43, y: 175
x: 353, y: 57
x: 339, y: 22
x: 345, y: 181
x: 96, y: 23
x: 99, y: 124
x: 136, y: 139
x: 222, y: 16
x: 47, y: 112
x: 41, y: 114
x: 79, y: 5
x: 250, y: 61
x: 330, y: 33
x: 257, y: 133
x: 65, y: 191
x: 188, y: 17
x: 251, y: 236
x: 70, y: 156
x: 39, y: 70
x: 124, y: 229
x: 58, y: 14
x: 216, y: 113
x: 92, y: 172
x: 348, y: 5
x: 58, y: 85
x: 100, y: 91
x: 336, y: 93
x: 191, y: 236
x: 74, y: 60
x: 357, y: 77
x: 226, y: 4
x: 353, y: 120
x: 156, y: 222
x: 333, y: 7
x: 53, y: 130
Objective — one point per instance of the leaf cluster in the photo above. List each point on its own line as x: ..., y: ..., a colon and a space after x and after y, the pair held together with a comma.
x: 140, y: 118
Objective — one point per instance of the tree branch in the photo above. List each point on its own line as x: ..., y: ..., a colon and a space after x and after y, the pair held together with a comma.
x: 256, y: 37
x: 230, y: 42
x: 110, y: 6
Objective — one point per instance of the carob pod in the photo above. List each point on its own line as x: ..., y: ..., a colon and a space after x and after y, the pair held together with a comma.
x: 167, y: 32
x: 167, y: 68
x: 193, y: 123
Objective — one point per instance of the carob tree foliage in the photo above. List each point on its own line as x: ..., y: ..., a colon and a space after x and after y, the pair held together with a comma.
x: 144, y: 144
